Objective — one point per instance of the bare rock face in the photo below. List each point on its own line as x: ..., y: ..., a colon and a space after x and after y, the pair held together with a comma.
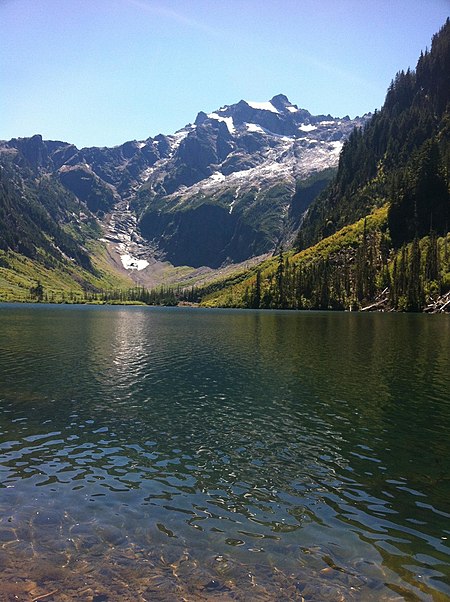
x: 88, y: 187
x: 230, y: 186
x: 33, y: 152
x: 246, y: 159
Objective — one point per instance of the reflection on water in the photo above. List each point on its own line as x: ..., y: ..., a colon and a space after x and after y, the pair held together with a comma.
x: 169, y: 454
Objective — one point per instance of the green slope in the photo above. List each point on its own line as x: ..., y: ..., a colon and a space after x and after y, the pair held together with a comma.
x: 352, y: 269
x: 20, y: 277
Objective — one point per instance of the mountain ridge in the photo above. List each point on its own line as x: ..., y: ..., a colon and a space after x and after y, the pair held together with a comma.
x: 216, y: 192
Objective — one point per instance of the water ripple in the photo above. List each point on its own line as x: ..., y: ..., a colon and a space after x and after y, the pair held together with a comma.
x: 305, y: 450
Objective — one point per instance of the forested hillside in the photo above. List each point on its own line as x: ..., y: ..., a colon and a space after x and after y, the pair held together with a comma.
x: 402, y: 156
x: 48, y: 239
x: 353, y: 269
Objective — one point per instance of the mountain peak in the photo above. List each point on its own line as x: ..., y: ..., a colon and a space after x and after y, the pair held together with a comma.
x: 280, y: 101
x: 201, y: 118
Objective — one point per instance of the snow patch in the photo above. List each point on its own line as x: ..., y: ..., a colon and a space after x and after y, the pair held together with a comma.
x: 217, y: 177
x: 132, y: 263
x: 292, y: 109
x: 141, y: 144
x: 327, y: 122
x: 230, y: 124
x: 227, y: 120
x: 145, y: 174
x: 307, y: 127
x: 337, y: 147
x: 252, y: 127
x: 233, y: 202
x: 177, y: 138
x: 180, y: 135
x: 262, y: 106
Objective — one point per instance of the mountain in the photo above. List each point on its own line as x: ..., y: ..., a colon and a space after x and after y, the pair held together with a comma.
x: 367, y: 202
x: 378, y: 236
x: 224, y: 192
x: 230, y: 186
x: 46, y: 234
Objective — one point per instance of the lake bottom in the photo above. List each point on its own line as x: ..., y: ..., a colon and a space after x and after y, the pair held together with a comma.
x: 99, y: 563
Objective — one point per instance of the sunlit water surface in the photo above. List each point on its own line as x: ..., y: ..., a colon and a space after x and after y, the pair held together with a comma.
x: 188, y: 454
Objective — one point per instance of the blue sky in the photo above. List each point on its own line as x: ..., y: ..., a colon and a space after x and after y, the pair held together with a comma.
x: 100, y: 72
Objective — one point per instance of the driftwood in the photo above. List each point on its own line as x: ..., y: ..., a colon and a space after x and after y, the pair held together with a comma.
x: 380, y: 302
x: 439, y: 305
x: 375, y: 306
x: 44, y: 596
x: 436, y: 306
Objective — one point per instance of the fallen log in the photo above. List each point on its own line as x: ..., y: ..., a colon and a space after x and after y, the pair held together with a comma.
x: 382, y: 303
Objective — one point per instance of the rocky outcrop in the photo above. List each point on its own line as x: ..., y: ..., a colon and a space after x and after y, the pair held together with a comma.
x: 206, y: 235
x: 89, y: 188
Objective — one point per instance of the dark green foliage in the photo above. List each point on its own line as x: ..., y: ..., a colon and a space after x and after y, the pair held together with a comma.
x: 415, y: 299
x: 164, y: 295
x: 307, y: 190
x: 32, y: 220
x: 255, y: 300
x: 37, y: 292
x: 402, y: 155
x: 279, y: 280
x: 354, y: 278
x: 420, y: 196
x: 432, y: 263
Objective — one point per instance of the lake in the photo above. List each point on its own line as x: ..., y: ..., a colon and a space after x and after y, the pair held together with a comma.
x: 181, y: 453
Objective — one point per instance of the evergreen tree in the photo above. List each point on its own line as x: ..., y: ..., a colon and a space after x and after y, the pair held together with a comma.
x: 37, y: 292
x: 256, y: 299
x: 432, y: 268
x: 279, y: 278
x: 414, y: 289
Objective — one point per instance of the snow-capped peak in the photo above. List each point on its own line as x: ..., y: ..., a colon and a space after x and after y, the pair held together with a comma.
x: 262, y: 106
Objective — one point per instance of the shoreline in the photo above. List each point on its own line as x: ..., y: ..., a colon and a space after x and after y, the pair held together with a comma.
x: 439, y: 306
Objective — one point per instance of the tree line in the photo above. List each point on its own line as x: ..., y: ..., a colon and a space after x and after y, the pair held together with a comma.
x: 163, y: 295
x: 353, y: 278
